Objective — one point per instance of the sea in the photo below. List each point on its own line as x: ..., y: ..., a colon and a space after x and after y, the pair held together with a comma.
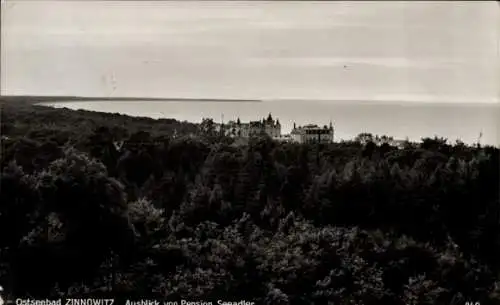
x: 470, y: 123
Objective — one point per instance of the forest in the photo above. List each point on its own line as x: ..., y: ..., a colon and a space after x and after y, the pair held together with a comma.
x: 107, y: 205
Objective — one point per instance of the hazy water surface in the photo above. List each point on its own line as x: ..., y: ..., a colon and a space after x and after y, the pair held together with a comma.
x: 404, y: 120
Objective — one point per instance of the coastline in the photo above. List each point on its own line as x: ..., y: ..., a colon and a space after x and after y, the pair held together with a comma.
x: 275, y: 106
x: 41, y: 99
x: 29, y: 99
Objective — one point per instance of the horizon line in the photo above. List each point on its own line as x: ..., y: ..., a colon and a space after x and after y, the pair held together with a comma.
x: 387, y: 101
x: 75, y: 98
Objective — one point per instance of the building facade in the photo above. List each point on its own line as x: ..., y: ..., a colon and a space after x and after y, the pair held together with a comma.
x: 236, y: 128
x: 312, y: 134
x: 364, y: 138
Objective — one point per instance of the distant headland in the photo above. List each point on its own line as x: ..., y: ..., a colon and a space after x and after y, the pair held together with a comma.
x: 33, y: 99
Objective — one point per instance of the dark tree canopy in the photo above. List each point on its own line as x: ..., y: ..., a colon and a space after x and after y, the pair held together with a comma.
x: 95, y: 204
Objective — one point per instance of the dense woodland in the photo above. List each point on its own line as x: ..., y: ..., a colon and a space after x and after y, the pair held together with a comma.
x: 179, y: 212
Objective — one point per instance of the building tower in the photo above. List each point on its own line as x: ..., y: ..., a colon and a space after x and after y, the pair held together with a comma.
x: 332, y: 132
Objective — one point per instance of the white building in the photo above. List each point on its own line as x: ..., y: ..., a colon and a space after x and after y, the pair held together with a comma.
x: 312, y: 134
x: 364, y: 138
x: 400, y: 144
x: 285, y: 138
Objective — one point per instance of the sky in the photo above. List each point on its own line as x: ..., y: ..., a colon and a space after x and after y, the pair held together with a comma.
x: 403, y: 51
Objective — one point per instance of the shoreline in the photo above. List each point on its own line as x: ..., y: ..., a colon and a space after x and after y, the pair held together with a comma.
x: 58, y: 101
x: 68, y: 99
x: 34, y: 99
x: 339, y: 139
